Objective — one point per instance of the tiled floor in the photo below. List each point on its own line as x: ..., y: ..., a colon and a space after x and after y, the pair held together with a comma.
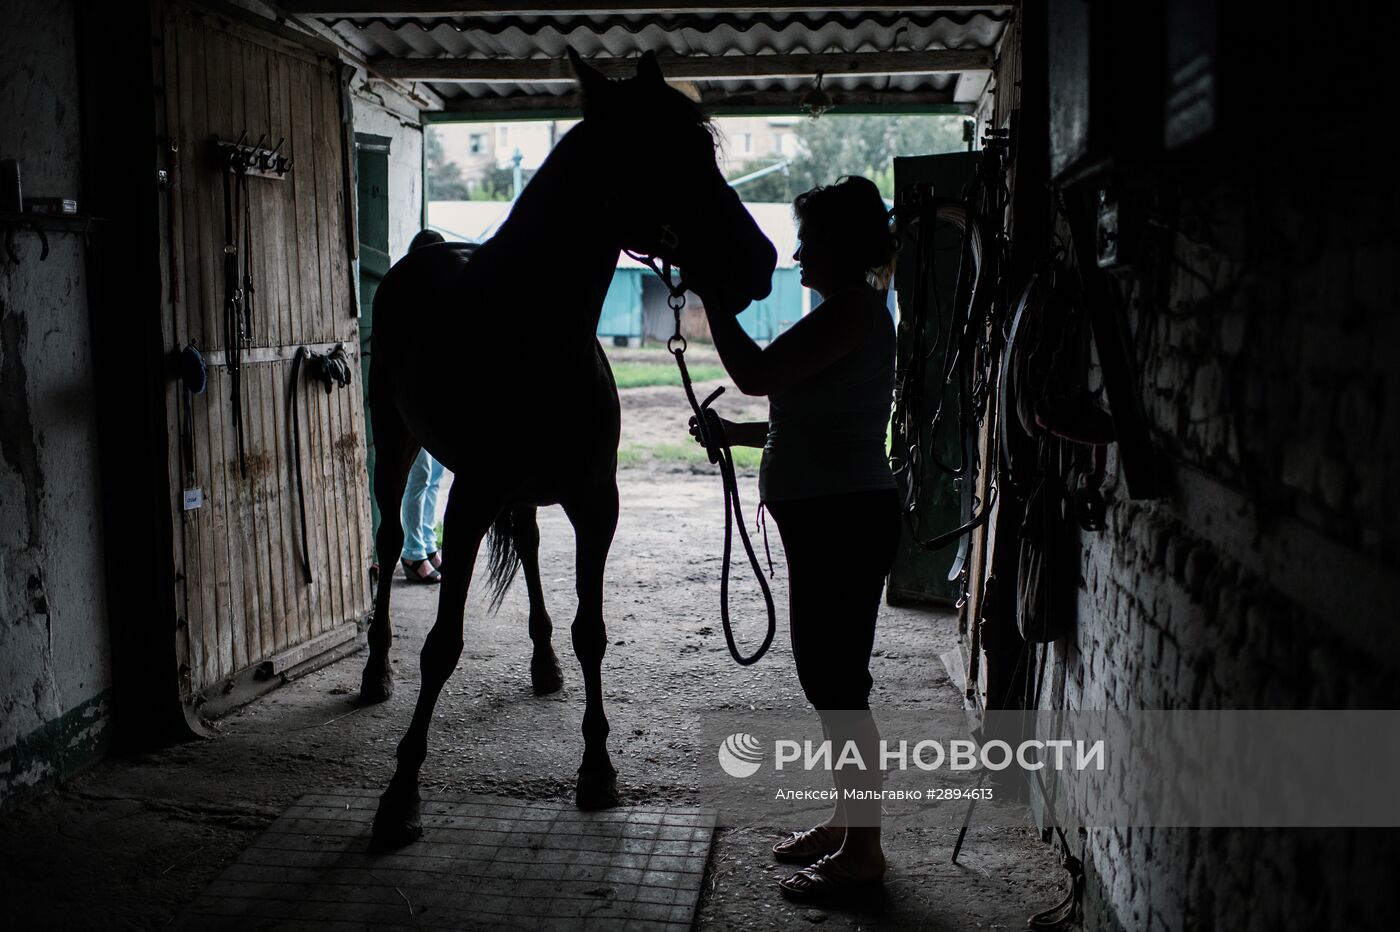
x: 482, y: 863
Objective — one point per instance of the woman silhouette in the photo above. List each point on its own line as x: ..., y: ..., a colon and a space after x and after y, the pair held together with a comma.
x: 825, y: 479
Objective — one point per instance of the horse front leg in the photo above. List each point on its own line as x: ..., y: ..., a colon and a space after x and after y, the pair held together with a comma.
x: 398, y: 819
x: 595, y: 521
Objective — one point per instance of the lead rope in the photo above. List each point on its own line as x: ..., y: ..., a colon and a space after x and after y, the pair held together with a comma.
x: 762, y: 527
x: 718, y: 451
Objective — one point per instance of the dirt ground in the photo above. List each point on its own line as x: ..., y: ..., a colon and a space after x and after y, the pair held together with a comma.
x: 129, y: 842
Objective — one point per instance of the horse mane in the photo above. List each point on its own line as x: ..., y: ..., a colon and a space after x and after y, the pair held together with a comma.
x: 692, y: 110
x: 671, y: 103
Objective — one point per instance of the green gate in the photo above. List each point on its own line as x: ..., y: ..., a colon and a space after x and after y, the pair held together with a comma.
x: 372, y: 197
x: 917, y: 575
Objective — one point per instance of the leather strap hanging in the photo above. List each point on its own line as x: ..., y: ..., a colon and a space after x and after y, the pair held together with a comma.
x: 330, y: 369
x: 235, y: 187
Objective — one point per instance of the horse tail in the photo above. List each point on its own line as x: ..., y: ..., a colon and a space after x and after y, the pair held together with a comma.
x: 502, y: 559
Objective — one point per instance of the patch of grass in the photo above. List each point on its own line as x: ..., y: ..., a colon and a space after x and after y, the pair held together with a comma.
x: 746, y: 457
x: 689, y: 453
x: 679, y: 453
x: 644, y: 374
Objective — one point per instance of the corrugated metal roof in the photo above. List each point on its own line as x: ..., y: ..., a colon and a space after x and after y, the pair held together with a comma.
x: 496, y: 38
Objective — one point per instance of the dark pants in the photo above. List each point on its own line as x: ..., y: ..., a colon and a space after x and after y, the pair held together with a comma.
x: 839, y: 550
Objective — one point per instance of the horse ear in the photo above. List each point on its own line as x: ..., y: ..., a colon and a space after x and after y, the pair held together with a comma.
x: 648, y: 69
x: 590, y: 79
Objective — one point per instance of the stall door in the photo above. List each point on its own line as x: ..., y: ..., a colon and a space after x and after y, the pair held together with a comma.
x: 918, y: 575
x: 372, y: 187
x: 252, y: 607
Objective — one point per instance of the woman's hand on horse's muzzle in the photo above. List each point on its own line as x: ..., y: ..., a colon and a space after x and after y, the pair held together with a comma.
x: 718, y: 300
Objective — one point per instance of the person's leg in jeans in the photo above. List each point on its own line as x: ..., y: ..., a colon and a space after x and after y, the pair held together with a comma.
x: 430, y: 497
x: 415, y: 547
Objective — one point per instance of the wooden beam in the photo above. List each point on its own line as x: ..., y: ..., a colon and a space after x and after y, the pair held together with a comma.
x: 786, y: 103
x: 689, y: 68
x: 717, y: 103
x: 550, y: 8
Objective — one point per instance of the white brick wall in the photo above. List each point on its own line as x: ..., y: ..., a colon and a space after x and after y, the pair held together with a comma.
x: 1267, y: 367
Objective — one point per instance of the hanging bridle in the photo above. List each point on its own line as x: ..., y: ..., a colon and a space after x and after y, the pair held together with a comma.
x: 712, y: 437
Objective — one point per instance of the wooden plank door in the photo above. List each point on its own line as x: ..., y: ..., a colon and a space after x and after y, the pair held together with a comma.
x: 247, y: 604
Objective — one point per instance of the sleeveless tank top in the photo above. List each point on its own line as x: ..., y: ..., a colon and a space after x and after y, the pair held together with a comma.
x: 826, y: 434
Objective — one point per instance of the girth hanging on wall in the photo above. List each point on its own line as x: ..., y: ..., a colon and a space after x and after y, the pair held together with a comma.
x: 330, y: 369
x: 194, y: 378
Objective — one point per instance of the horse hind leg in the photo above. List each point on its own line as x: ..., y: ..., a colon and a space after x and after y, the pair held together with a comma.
x: 394, y: 451
x: 545, y: 675
x: 398, y: 821
x: 595, y: 521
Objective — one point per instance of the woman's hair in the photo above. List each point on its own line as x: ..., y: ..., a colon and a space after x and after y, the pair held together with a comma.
x: 853, y: 212
x: 425, y: 238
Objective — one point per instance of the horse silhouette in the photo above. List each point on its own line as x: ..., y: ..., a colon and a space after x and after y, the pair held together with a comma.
x: 493, y: 365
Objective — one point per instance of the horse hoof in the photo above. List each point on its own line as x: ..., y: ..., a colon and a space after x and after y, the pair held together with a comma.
x: 545, y: 675
x: 398, y: 820
x: 376, y: 683
x: 596, y: 790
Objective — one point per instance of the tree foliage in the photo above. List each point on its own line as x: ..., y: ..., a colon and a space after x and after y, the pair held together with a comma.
x: 854, y: 144
x: 497, y: 183
x: 445, y: 182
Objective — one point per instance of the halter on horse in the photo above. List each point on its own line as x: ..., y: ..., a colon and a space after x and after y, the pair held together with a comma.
x: 473, y: 360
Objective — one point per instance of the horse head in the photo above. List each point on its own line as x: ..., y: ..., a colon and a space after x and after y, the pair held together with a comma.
x: 664, y: 191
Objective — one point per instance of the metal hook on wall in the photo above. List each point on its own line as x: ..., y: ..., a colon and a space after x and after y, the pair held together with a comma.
x: 257, y: 160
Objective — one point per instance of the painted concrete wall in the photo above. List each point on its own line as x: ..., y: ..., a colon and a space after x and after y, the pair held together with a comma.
x: 1269, y: 577
x: 380, y: 110
x: 1262, y: 308
x: 54, y: 670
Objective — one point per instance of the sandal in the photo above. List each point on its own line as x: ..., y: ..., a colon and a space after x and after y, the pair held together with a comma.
x: 824, y: 882
x: 806, y: 847
x: 435, y: 558
x: 413, y: 572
